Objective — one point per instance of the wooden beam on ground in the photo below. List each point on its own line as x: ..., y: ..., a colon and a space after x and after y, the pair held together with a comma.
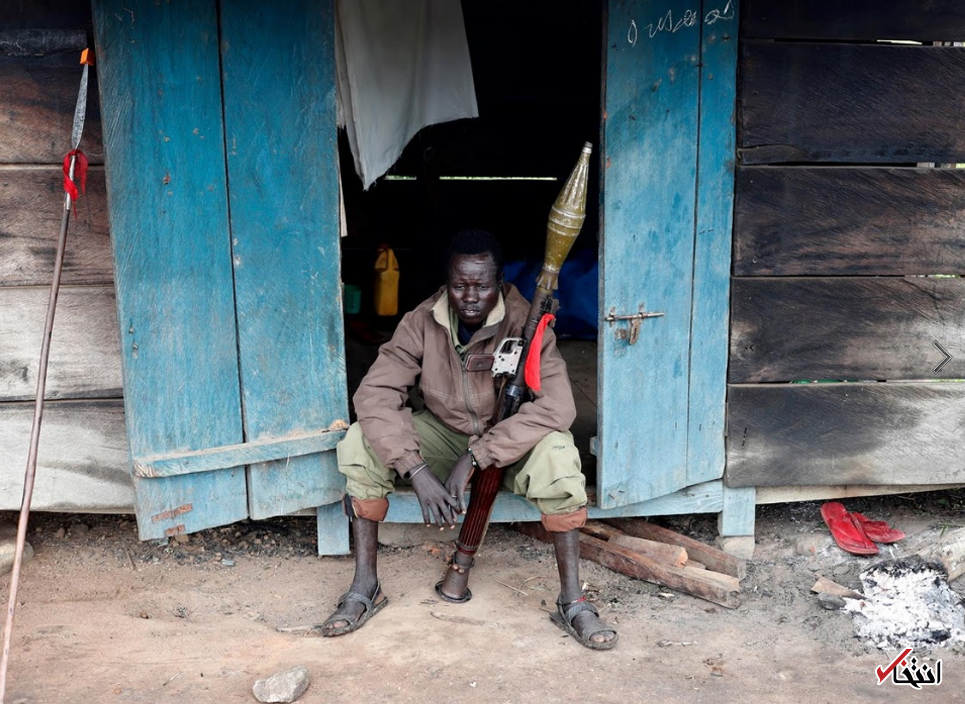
x: 944, y: 546
x: 661, y: 552
x: 826, y: 586
x: 720, y: 589
x: 672, y: 555
x: 714, y: 559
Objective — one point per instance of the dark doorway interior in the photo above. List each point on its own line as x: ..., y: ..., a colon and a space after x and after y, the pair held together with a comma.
x: 537, y: 72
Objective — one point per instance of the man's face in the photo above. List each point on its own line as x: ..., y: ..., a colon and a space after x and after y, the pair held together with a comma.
x: 472, y: 287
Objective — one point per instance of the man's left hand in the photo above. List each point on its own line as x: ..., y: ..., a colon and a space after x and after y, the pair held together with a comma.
x: 459, y: 479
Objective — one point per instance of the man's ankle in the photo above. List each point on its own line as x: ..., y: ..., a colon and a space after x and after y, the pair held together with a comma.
x: 364, y: 584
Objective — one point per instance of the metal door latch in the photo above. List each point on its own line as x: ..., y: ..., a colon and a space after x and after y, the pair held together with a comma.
x: 633, y: 334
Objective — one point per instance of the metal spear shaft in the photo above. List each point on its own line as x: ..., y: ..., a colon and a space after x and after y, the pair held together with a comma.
x: 31, y: 472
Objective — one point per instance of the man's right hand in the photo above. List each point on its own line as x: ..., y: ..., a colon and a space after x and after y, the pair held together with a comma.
x: 437, y: 505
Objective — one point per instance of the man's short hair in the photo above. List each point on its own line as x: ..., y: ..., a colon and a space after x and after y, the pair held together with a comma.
x: 475, y: 241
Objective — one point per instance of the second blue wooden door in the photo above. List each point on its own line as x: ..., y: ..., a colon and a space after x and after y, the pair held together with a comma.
x: 667, y: 188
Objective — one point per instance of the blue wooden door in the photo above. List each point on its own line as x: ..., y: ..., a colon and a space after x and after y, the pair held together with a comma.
x: 223, y: 200
x: 667, y: 188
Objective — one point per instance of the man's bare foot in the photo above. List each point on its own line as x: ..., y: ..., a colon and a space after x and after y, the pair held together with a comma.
x: 587, y: 622
x: 357, y: 605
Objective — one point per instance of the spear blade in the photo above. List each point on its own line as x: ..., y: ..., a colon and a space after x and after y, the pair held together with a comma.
x: 80, y: 111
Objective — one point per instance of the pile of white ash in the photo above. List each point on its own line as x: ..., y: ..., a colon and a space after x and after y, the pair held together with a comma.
x: 907, y: 603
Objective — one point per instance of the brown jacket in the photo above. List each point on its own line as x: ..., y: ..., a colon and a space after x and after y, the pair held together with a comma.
x: 465, y: 401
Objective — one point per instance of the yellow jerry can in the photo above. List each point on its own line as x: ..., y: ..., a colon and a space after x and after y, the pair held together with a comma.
x: 386, y: 282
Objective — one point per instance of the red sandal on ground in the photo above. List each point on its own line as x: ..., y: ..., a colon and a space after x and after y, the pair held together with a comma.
x: 845, y: 532
x: 878, y: 531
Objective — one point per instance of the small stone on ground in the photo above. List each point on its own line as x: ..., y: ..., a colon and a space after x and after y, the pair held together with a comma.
x: 284, y: 686
x: 738, y: 546
x: 809, y: 544
x: 8, y: 551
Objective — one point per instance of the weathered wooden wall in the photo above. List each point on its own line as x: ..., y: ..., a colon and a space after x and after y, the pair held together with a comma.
x: 83, y: 461
x: 839, y: 232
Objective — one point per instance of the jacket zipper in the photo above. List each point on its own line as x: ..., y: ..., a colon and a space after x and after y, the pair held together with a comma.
x: 472, y: 415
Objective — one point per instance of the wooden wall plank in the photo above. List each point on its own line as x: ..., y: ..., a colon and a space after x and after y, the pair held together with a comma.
x: 786, y: 494
x: 922, y: 20
x: 282, y: 167
x: 85, y: 357
x: 649, y: 175
x: 832, y: 434
x: 51, y: 14
x: 160, y: 77
x: 32, y: 203
x: 712, y: 245
x: 82, y: 464
x: 39, y: 97
x: 846, y: 329
x: 801, y: 221
x: 851, y: 103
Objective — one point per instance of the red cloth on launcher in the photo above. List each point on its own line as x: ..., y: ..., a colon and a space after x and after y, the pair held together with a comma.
x: 531, y: 370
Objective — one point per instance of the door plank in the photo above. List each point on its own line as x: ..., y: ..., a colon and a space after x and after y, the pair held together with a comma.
x: 793, y: 329
x: 923, y: 20
x: 851, y: 103
x: 161, y: 96
x: 280, y: 125
x: 648, y: 166
x: 293, y: 447
x: 832, y: 434
x: 802, y: 221
x: 711, y: 279
x: 85, y: 358
x: 32, y: 203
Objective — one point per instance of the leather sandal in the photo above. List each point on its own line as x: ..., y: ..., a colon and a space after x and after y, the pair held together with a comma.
x: 372, y: 606
x: 566, y: 612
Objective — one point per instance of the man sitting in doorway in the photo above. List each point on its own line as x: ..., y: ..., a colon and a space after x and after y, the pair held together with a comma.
x: 438, y: 448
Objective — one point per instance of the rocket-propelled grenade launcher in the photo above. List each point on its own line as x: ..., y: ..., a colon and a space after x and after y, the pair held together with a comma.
x: 518, y: 363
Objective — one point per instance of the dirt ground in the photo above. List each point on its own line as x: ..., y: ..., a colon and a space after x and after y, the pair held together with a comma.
x: 105, y: 618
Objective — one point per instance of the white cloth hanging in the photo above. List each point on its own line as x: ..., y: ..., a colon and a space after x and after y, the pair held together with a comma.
x: 402, y: 65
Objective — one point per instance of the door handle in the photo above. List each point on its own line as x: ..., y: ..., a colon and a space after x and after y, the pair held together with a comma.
x: 633, y: 334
